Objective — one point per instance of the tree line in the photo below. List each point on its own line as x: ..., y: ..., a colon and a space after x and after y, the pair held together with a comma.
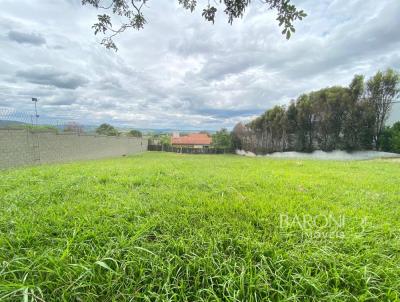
x: 109, y: 130
x: 333, y: 118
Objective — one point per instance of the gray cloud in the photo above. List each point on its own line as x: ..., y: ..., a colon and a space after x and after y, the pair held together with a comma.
x: 52, y: 77
x: 61, y: 100
x: 26, y: 38
x: 226, y: 113
x: 181, y: 72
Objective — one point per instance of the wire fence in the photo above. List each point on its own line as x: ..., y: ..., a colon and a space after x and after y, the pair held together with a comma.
x: 28, y: 139
x: 13, y: 120
x: 10, y: 118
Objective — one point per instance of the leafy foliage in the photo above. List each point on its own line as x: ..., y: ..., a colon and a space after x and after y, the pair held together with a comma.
x: 222, y: 139
x: 107, y: 129
x: 390, y: 140
x: 132, y: 12
x: 160, y: 139
x: 382, y: 89
x: 350, y: 118
x: 135, y: 133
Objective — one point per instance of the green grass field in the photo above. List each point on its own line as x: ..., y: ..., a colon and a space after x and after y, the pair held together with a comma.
x: 170, y: 227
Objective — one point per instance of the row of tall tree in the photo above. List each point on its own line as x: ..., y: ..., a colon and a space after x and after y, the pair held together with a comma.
x: 344, y: 118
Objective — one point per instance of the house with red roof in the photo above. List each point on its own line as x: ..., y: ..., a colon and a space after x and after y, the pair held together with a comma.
x: 192, y: 140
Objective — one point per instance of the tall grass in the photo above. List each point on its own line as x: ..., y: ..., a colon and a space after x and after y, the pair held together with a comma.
x: 168, y: 227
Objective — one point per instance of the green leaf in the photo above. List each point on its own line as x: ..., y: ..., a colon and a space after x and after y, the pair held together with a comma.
x: 26, y: 295
x: 104, y: 265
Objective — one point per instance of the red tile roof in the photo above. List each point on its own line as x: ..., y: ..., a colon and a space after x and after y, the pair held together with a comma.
x: 192, y: 139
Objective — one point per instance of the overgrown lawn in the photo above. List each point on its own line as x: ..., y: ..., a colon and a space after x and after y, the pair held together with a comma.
x: 171, y: 227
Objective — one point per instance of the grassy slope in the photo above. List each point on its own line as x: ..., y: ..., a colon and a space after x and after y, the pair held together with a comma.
x: 189, y: 228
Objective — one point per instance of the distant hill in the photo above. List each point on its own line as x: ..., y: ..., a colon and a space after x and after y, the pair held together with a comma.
x: 8, y: 124
x: 92, y: 128
x: 170, y: 130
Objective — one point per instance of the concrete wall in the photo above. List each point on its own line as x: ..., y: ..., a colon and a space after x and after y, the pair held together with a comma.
x: 25, y: 147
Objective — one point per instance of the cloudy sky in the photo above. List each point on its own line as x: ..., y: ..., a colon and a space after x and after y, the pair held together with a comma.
x: 181, y: 72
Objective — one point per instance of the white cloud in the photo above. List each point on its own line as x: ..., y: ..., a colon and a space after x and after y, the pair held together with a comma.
x: 182, y: 72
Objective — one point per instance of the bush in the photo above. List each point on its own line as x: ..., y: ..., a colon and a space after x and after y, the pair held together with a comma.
x: 107, y: 129
x: 390, y: 140
x: 135, y: 133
